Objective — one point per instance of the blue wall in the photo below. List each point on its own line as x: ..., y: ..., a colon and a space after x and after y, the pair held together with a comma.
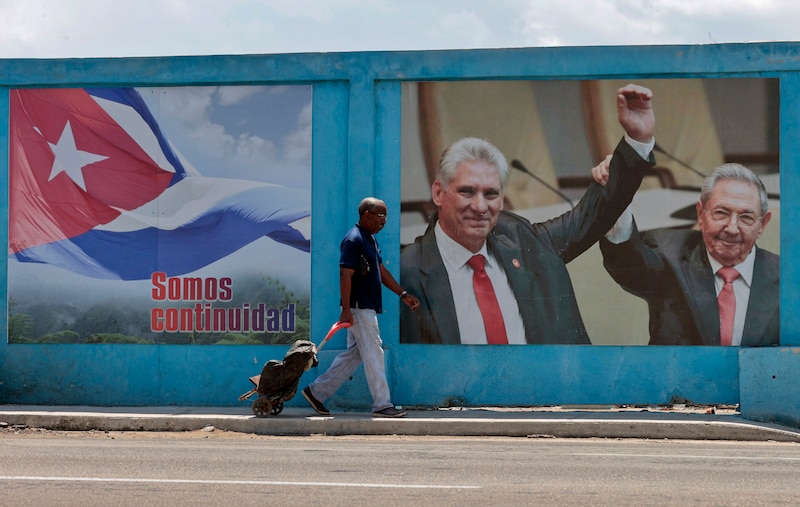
x: 356, y: 152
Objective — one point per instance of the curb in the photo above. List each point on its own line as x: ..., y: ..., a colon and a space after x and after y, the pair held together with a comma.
x: 441, y: 423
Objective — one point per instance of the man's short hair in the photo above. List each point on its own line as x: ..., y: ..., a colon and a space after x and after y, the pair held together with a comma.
x: 369, y: 204
x: 470, y: 149
x: 736, y: 172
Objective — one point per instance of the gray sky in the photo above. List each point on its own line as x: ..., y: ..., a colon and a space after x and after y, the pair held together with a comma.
x: 116, y: 28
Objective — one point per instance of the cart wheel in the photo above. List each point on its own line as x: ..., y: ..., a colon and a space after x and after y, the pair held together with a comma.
x: 262, y: 407
x: 277, y: 408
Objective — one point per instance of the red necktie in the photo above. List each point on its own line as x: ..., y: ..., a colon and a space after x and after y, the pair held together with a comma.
x: 727, y: 305
x: 487, y: 302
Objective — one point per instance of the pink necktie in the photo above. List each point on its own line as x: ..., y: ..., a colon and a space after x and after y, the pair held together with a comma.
x: 487, y: 302
x: 727, y: 305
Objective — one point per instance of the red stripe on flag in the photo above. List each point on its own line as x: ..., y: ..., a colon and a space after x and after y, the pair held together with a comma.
x: 43, y: 210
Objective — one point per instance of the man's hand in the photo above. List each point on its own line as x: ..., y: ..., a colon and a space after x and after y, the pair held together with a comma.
x: 346, y: 316
x: 411, y: 301
x: 601, y: 170
x: 635, y: 112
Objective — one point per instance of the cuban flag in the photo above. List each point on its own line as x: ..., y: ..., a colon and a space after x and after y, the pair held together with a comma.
x: 96, y: 188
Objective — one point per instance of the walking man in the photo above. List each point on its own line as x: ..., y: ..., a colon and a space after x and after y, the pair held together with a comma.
x: 361, y: 273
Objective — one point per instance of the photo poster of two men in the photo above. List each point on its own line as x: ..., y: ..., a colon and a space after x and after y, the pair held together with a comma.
x: 159, y: 215
x: 552, y: 133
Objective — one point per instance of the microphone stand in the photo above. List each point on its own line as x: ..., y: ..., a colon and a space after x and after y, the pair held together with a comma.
x: 679, y: 161
x: 516, y: 164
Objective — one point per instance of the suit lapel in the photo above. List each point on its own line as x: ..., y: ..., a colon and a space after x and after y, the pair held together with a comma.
x: 701, y: 293
x: 508, y: 255
x: 436, y: 287
x: 520, y: 277
x: 762, y: 304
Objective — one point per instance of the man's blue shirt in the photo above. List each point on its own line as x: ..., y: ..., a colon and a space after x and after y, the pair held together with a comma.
x: 361, y: 253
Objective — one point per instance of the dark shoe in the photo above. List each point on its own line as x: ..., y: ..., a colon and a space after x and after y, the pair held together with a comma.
x: 315, y: 403
x: 390, y: 412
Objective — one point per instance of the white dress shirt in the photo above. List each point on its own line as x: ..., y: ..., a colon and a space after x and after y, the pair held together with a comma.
x: 741, y: 289
x: 470, y: 321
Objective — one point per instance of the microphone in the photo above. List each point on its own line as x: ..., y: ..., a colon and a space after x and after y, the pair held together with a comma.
x: 516, y: 164
x: 661, y: 150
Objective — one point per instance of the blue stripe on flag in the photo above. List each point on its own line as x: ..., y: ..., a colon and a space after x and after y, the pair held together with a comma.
x: 219, y: 231
x: 130, y: 97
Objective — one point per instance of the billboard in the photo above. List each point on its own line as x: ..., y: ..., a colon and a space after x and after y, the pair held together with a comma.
x: 169, y: 215
x: 552, y: 133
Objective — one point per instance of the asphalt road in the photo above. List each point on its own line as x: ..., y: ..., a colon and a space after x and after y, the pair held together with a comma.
x: 220, y: 468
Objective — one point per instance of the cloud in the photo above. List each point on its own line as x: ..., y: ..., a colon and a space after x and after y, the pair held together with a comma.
x: 465, y: 22
x: 222, y: 147
x: 647, y: 22
x: 184, y: 114
x: 230, y: 95
x: 297, y: 146
x: 90, y: 28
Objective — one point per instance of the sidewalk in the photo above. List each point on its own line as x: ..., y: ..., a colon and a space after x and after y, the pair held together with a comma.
x: 656, y: 422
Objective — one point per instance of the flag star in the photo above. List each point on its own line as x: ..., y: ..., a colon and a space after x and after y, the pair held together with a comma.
x: 71, y: 160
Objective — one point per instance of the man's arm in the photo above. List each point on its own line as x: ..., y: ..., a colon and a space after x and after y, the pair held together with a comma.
x: 388, y: 280
x: 623, y: 229
x: 626, y: 258
x: 635, y: 264
x: 345, y: 287
x: 574, y: 232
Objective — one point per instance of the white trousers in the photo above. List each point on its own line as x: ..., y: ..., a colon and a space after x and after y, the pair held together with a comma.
x: 363, y: 345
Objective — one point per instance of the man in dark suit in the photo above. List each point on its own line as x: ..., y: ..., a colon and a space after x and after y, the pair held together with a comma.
x: 525, y: 263
x: 679, y: 272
